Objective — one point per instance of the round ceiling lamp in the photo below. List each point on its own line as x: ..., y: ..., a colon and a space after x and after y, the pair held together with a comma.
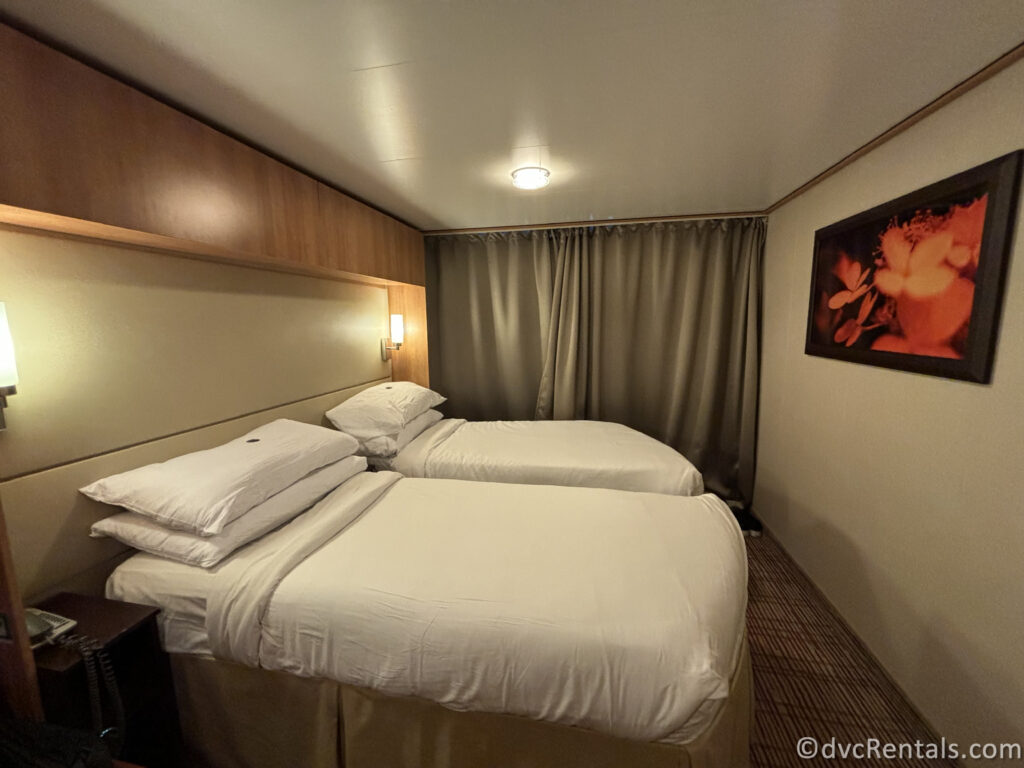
x: 530, y: 177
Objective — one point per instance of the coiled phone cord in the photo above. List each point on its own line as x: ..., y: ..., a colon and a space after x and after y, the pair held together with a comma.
x: 93, y: 652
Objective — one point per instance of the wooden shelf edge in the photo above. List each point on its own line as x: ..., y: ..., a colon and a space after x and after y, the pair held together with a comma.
x: 25, y: 219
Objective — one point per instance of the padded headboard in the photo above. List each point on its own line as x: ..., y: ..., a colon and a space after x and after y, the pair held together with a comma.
x: 127, y: 357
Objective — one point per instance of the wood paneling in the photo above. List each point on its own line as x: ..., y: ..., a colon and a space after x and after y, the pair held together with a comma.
x: 410, y: 363
x: 357, y: 238
x: 288, y: 208
x: 82, y: 145
x: 19, y: 694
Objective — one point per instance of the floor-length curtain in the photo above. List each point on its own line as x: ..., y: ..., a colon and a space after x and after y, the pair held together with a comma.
x: 655, y: 326
x: 488, y: 309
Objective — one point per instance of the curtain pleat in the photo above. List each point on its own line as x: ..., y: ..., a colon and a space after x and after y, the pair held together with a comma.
x: 496, y: 291
x: 655, y: 326
x: 563, y: 389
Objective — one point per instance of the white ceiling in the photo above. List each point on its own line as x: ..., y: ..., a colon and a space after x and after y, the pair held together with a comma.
x: 642, y: 108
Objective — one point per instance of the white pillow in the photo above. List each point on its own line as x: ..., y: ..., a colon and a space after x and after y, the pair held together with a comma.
x: 383, y: 410
x: 142, y: 533
x: 204, y: 491
x: 390, y: 445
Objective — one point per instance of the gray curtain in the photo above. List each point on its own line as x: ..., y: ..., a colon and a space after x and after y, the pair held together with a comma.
x: 655, y: 326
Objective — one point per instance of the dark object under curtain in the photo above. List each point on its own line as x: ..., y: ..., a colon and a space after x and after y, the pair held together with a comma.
x: 656, y: 326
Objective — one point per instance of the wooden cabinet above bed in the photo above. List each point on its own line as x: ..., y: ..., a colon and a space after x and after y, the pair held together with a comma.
x: 88, y: 155
x: 356, y: 238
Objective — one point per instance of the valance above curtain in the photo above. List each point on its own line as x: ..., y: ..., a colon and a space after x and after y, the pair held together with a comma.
x: 656, y: 326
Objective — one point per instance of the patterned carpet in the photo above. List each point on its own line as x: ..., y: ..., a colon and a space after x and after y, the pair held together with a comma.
x: 812, y: 676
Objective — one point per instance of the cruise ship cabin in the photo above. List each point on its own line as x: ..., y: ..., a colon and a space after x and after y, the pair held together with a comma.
x: 393, y: 384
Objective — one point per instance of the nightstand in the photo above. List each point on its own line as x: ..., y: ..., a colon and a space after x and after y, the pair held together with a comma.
x: 130, y: 636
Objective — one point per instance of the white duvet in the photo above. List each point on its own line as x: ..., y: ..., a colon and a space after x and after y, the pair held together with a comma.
x: 621, y: 612
x: 594, y: 454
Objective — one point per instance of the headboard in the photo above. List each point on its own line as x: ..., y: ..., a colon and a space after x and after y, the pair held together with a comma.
x: 128, y: 357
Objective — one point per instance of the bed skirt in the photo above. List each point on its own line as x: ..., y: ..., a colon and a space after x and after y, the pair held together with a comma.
x: 238, y: 717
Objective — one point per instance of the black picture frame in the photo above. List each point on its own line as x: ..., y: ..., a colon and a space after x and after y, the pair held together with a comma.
x: 910, y: 336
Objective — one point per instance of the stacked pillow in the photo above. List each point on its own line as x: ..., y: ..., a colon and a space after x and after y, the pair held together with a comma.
x: 387, y: 417
x: 201, y: 507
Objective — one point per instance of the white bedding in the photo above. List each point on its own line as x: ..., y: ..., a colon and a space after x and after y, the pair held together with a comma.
x: 592, y: 454
x: 178, y: 589
x: 621, y: 612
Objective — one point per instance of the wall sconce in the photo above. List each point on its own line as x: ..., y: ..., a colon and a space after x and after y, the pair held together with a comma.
x: 397, y: 337
x: 8, y: 370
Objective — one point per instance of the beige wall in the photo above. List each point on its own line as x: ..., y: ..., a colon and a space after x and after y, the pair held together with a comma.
x: 902, y: 495
x: 116, y: 346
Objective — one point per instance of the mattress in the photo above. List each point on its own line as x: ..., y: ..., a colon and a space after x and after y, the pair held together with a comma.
x: 594, y: 454
x: 620, y: 612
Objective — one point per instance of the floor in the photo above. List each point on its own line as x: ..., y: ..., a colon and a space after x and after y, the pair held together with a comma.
x: 812, y: 676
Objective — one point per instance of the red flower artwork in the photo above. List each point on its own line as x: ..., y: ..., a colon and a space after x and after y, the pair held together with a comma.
x: 914, y: 293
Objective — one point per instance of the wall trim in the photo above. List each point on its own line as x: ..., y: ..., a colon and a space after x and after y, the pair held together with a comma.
x: 985, y: 73
x: 594, y: 223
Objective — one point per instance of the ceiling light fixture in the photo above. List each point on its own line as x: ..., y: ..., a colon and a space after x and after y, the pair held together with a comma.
x: 530, y: 177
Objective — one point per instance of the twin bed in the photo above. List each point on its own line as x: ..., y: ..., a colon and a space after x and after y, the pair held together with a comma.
x: 593, y: 454
x: 496, y: 620
x: 398, y: 429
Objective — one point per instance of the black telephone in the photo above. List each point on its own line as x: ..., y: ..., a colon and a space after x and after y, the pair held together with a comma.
x: 45, y: 627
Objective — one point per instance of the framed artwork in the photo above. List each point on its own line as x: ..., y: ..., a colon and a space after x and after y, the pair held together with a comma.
x: 917, y: 283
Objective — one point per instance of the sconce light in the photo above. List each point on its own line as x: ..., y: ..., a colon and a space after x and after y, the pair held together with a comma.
x: 397, y: 337
x: 8, y: 370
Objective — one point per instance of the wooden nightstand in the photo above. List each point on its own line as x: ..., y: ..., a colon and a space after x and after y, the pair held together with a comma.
x: 130, y: 636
